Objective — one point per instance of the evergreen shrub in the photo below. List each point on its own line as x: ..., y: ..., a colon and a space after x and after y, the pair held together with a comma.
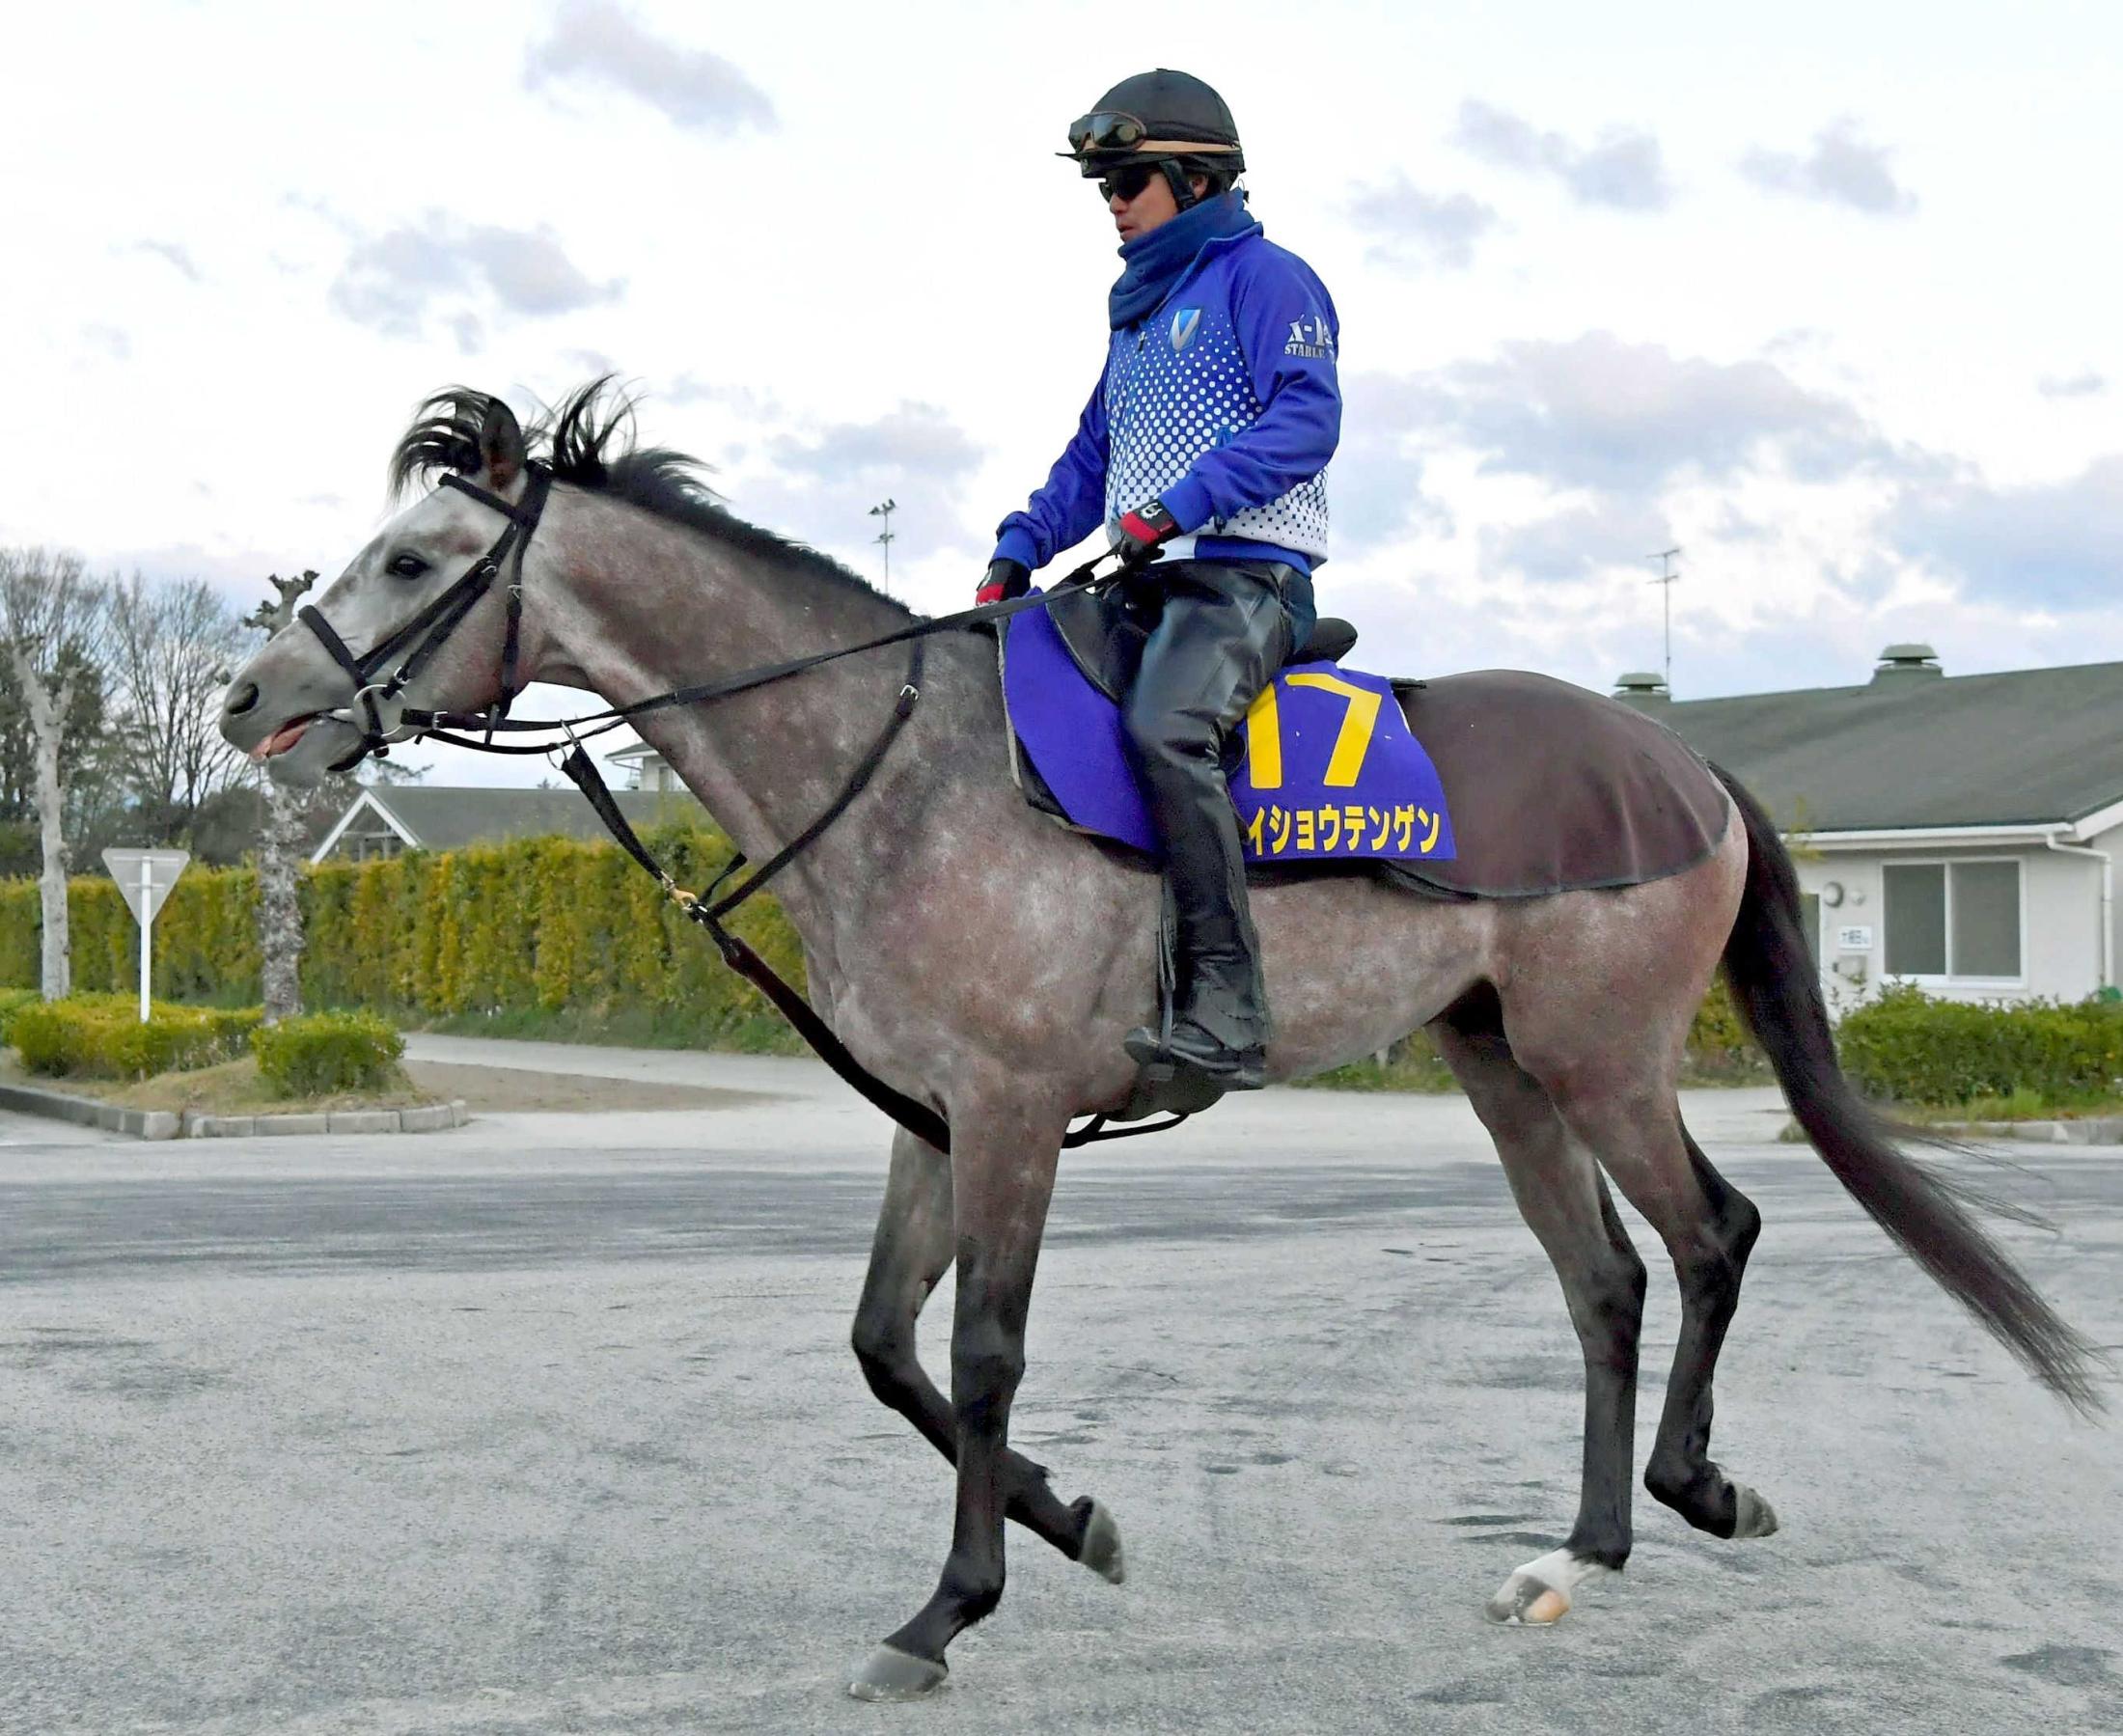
x: 323, y: 1053
x: 529, y: 926
x: 102, y: 1037
x: 1911, y: 1049
x: 11, y: 1002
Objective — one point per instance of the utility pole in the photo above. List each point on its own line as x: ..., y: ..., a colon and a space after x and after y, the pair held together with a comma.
x: 884, y: 509
x: 1665, y: 582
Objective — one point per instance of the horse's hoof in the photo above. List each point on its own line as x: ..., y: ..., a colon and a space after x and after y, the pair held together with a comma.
x: 1538, y: 1594
x: 1528, y: 1603
x: 1752, y: 1516
x: 889, y: 1674
x: 1101, y: 1551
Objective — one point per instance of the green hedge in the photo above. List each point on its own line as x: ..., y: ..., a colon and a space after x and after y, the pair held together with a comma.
x: 327, y: 1051
x: 541, y: 922
x: 102, y: 1037
x: 11, y: 1002
x: 1913, y: 1049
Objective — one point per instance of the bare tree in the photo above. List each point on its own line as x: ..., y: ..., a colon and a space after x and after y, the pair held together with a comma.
x: 173, y: 643
x: 54, y: 627
x: 279, y: 846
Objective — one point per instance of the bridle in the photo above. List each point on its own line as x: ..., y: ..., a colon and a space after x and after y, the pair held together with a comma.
x: 377, y: 710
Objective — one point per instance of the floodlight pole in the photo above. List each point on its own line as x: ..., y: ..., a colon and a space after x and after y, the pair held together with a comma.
x: 884, y: 509
x: 1665, y: 582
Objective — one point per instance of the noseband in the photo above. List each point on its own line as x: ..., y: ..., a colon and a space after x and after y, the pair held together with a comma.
x: 377, y: 710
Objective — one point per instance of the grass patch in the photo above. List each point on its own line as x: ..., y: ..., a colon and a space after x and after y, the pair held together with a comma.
x: 234, y: 1088
x: 2022, y: 1105
x: 624, y: 1028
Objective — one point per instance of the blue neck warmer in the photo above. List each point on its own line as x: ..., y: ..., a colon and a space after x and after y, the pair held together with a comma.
x: 1157, y: 260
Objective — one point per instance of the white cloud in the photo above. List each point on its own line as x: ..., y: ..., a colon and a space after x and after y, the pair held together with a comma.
x: 1624, y: 168
x: 594, y: 41
x: 1841, y: 169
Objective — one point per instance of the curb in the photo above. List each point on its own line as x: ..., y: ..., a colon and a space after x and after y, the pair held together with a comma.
x: 190, y: 1124
x: 2095, y: 1130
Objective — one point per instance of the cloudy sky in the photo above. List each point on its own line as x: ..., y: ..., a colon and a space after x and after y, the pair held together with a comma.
x: 1826, y: 294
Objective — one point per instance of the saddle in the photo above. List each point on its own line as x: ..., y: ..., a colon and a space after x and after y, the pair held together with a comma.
x: 1105, y: 638
x: 1551, y: 788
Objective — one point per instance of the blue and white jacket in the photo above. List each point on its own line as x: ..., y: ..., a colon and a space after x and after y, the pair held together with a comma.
x: 1223, y: 403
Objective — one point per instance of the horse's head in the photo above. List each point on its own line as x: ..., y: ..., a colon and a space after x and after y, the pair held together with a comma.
x: 415, y: 617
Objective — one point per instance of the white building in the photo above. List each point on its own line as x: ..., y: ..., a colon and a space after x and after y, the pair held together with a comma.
x: 1957, y: 832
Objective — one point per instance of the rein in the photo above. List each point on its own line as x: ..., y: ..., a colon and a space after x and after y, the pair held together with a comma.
x: 377, y: 711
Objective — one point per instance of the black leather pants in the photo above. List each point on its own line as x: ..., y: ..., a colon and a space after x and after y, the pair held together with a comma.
x: 1218, y: 632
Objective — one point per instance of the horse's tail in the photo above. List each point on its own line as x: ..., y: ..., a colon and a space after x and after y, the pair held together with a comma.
x: 1775, y: 984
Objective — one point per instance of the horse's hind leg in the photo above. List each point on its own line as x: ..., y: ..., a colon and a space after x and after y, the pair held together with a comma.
x: 1563, y: 1199
x: 1681, y: 1472
x: 1709, y: 1227
x: 914, y: 1247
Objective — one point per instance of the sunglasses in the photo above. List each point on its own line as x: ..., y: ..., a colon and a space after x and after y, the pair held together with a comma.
x: 1127, y: 184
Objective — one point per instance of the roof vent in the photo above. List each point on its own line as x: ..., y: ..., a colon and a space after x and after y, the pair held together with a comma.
x: 1906, y: 662
x: 1642, y: 687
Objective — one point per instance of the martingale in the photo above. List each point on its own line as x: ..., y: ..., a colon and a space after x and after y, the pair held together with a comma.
x: 1328, y: 771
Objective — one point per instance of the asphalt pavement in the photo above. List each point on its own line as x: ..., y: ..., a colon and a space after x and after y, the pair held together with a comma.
x: 549, y: 1425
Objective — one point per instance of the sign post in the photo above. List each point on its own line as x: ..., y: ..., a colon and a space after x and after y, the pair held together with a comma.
x: 145, y: 878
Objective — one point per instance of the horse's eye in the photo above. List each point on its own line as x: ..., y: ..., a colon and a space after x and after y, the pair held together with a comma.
x: 407, y: 566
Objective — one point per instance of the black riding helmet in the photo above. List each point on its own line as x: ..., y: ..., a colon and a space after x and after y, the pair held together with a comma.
x: 1164, y: 119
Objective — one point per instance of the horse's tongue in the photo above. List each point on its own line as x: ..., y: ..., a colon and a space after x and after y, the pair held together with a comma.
x: 281, y: 739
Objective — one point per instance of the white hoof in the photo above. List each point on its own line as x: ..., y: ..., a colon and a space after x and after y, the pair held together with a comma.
x: 1538, y: 1594
x: 1754, y: 1517
x: 889, y: 1674
x: 1102, y: 1552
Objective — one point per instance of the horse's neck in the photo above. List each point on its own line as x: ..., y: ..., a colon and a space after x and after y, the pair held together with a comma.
x: 657, y: 606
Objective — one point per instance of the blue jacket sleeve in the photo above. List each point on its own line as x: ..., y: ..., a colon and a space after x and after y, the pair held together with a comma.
x: 1287, y: 329
x: 1072, y: 504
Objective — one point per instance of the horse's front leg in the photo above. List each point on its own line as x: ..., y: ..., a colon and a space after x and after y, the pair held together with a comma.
x: 1003, y: 1163
x: 916, y: 1238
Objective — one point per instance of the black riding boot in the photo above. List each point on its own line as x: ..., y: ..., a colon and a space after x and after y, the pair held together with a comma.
x: 1221, y: 632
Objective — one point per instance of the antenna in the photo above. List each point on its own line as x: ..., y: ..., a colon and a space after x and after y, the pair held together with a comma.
x: 884, y: 509
x: 1665, y: 582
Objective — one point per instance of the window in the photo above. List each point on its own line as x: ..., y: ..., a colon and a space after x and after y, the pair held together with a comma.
x: 1959, y: 919
x: 1810, y: 919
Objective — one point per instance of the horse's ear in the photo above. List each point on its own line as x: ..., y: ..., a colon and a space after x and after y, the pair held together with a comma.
x: 501, y: 444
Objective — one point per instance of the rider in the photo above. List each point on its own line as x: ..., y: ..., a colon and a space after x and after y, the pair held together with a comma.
x: 1205, y: 442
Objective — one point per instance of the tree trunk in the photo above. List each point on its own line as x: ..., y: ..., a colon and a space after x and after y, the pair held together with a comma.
x: 279, y: 903
x: 46, y: 711
x: 58, y: 949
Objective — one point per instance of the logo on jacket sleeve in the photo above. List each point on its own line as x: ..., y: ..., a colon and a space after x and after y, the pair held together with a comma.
x: 1185, y: 323
x: 1310, y: 338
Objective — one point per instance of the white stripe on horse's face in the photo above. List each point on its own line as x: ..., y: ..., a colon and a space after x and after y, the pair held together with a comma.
x: 417, y: 554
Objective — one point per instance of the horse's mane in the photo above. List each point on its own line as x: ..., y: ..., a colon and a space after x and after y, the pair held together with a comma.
x: 589, y: 440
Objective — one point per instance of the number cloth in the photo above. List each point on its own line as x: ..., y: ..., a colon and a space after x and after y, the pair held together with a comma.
x: 1329, y: 770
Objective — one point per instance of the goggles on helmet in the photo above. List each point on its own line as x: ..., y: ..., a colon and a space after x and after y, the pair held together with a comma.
x: 1105, y: 131
x: 1094, y: 139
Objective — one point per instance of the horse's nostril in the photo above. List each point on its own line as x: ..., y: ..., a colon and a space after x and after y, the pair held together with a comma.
x: 242, y: 699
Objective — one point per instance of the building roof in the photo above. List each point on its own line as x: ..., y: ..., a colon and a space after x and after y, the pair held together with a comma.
x: 445, y: 819
x: 1914, y: 748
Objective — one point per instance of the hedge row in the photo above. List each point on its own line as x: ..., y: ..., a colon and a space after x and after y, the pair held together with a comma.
x: 104, y: 1036
x: 541, y: 922
x: 1914, y: 1050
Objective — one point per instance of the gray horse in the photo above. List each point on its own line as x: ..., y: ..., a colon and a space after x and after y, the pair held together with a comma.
x: 986, y: 962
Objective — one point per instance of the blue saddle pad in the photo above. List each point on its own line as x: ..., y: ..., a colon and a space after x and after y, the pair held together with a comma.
x: 1329, y: 772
